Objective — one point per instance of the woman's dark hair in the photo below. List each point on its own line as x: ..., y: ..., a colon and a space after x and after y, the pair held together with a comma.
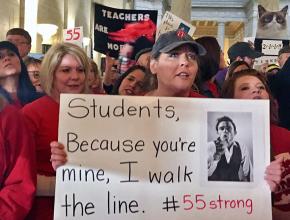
x: 118, y: 82
x: 234, y: 65
x: 228, y: 89
x: 25, y: 92
x: 209, y: 63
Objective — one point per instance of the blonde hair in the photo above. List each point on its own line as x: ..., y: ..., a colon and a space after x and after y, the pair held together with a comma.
x: 52, y: 60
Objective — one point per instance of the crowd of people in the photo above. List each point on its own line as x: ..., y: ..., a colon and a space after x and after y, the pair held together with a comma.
x: 175, y: 65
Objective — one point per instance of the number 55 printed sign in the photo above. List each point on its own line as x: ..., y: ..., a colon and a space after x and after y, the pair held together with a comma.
x: 73, y: 35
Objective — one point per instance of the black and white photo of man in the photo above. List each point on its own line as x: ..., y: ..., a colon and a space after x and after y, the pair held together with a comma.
x: 228, y: 160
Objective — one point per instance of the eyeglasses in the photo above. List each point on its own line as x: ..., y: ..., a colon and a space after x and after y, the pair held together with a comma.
x: 35, y: 74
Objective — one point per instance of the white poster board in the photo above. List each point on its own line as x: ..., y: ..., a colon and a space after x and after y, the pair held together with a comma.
x: 74, y: 35
x: 171, y: 22
x: 150, y: 159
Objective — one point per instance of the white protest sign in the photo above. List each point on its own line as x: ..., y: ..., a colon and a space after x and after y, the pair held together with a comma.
x: 271, y: 47
x: 74, y: 35
x: 149, y: 159
x: 171, y: 22
x: 265, y: 59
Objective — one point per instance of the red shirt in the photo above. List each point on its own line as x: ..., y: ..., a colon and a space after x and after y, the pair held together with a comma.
x: 17, y: 166
x: 42, y: 120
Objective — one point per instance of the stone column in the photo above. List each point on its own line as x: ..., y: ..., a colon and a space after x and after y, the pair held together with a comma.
x: 221, y: 34
x: 182, y: 9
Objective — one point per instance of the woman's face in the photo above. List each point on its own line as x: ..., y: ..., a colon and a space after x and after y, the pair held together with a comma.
x: 250, y: 87
x: 133, y: 83
x: 91, y: 77
x: 94, y: 80
x: 175, y: 70
x: 69, y: 77
x: 9, y: 63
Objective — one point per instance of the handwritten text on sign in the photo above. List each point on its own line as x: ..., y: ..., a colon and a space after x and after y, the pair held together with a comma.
x: 73, y: 35
x: 271, y: 47
x: 146, y: 158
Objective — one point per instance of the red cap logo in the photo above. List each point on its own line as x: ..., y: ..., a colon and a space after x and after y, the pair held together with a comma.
x: 180, y: 33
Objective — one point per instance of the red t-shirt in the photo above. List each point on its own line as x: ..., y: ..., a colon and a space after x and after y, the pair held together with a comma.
x: 280, y: 142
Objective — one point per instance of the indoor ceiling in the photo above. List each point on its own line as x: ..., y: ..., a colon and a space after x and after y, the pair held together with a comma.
x: 208, y: 27
x: 220, y: 3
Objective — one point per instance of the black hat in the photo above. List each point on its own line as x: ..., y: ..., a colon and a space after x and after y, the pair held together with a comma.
x: 10, y: 46
x: 145, y: 50
x: 173, y: 39
x: 243, y: 49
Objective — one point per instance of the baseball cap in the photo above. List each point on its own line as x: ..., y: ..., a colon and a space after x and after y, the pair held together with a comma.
x: 271, y: 67
x: 10, y: 46
x: 145, y: 50
x: 243, y: 49
x: 173, y: 39
x: 285, y: 49
x: 141, y: 45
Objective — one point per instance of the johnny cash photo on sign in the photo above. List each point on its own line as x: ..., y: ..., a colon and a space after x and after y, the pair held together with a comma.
x: 230, y: 146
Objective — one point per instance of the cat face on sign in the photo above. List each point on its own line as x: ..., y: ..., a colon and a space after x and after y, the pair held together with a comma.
x: 272, y: 24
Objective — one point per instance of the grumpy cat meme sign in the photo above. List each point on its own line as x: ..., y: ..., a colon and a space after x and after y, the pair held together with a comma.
x: 272, y: 24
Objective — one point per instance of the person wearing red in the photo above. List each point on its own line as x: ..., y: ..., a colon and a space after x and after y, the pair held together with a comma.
x: 64, y: 70
x: 250, y: 84
x: 17, y: 165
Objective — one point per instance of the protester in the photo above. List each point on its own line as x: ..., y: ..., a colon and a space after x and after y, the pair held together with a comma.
x: 174, y: 62
x: 135, y: 81
x: 17, y: 164
x: 250, y: 84
x: 94, y: 79
x: 15, y: 84
x: 111, y: 74
x: 64, y: 69
x: 243, y: 51
x: 280, y: 87
x: 239, y: 51
x: 209, y: 66
x: 283, y: 55
x: 137, y: 52
x: 33, y: 69
x: 272, y: 69
x: 22, y: 39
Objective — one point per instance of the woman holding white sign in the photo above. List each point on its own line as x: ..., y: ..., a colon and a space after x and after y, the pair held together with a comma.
x: 250, y: 84
x: 174, y: 61
x: 64, y: 70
